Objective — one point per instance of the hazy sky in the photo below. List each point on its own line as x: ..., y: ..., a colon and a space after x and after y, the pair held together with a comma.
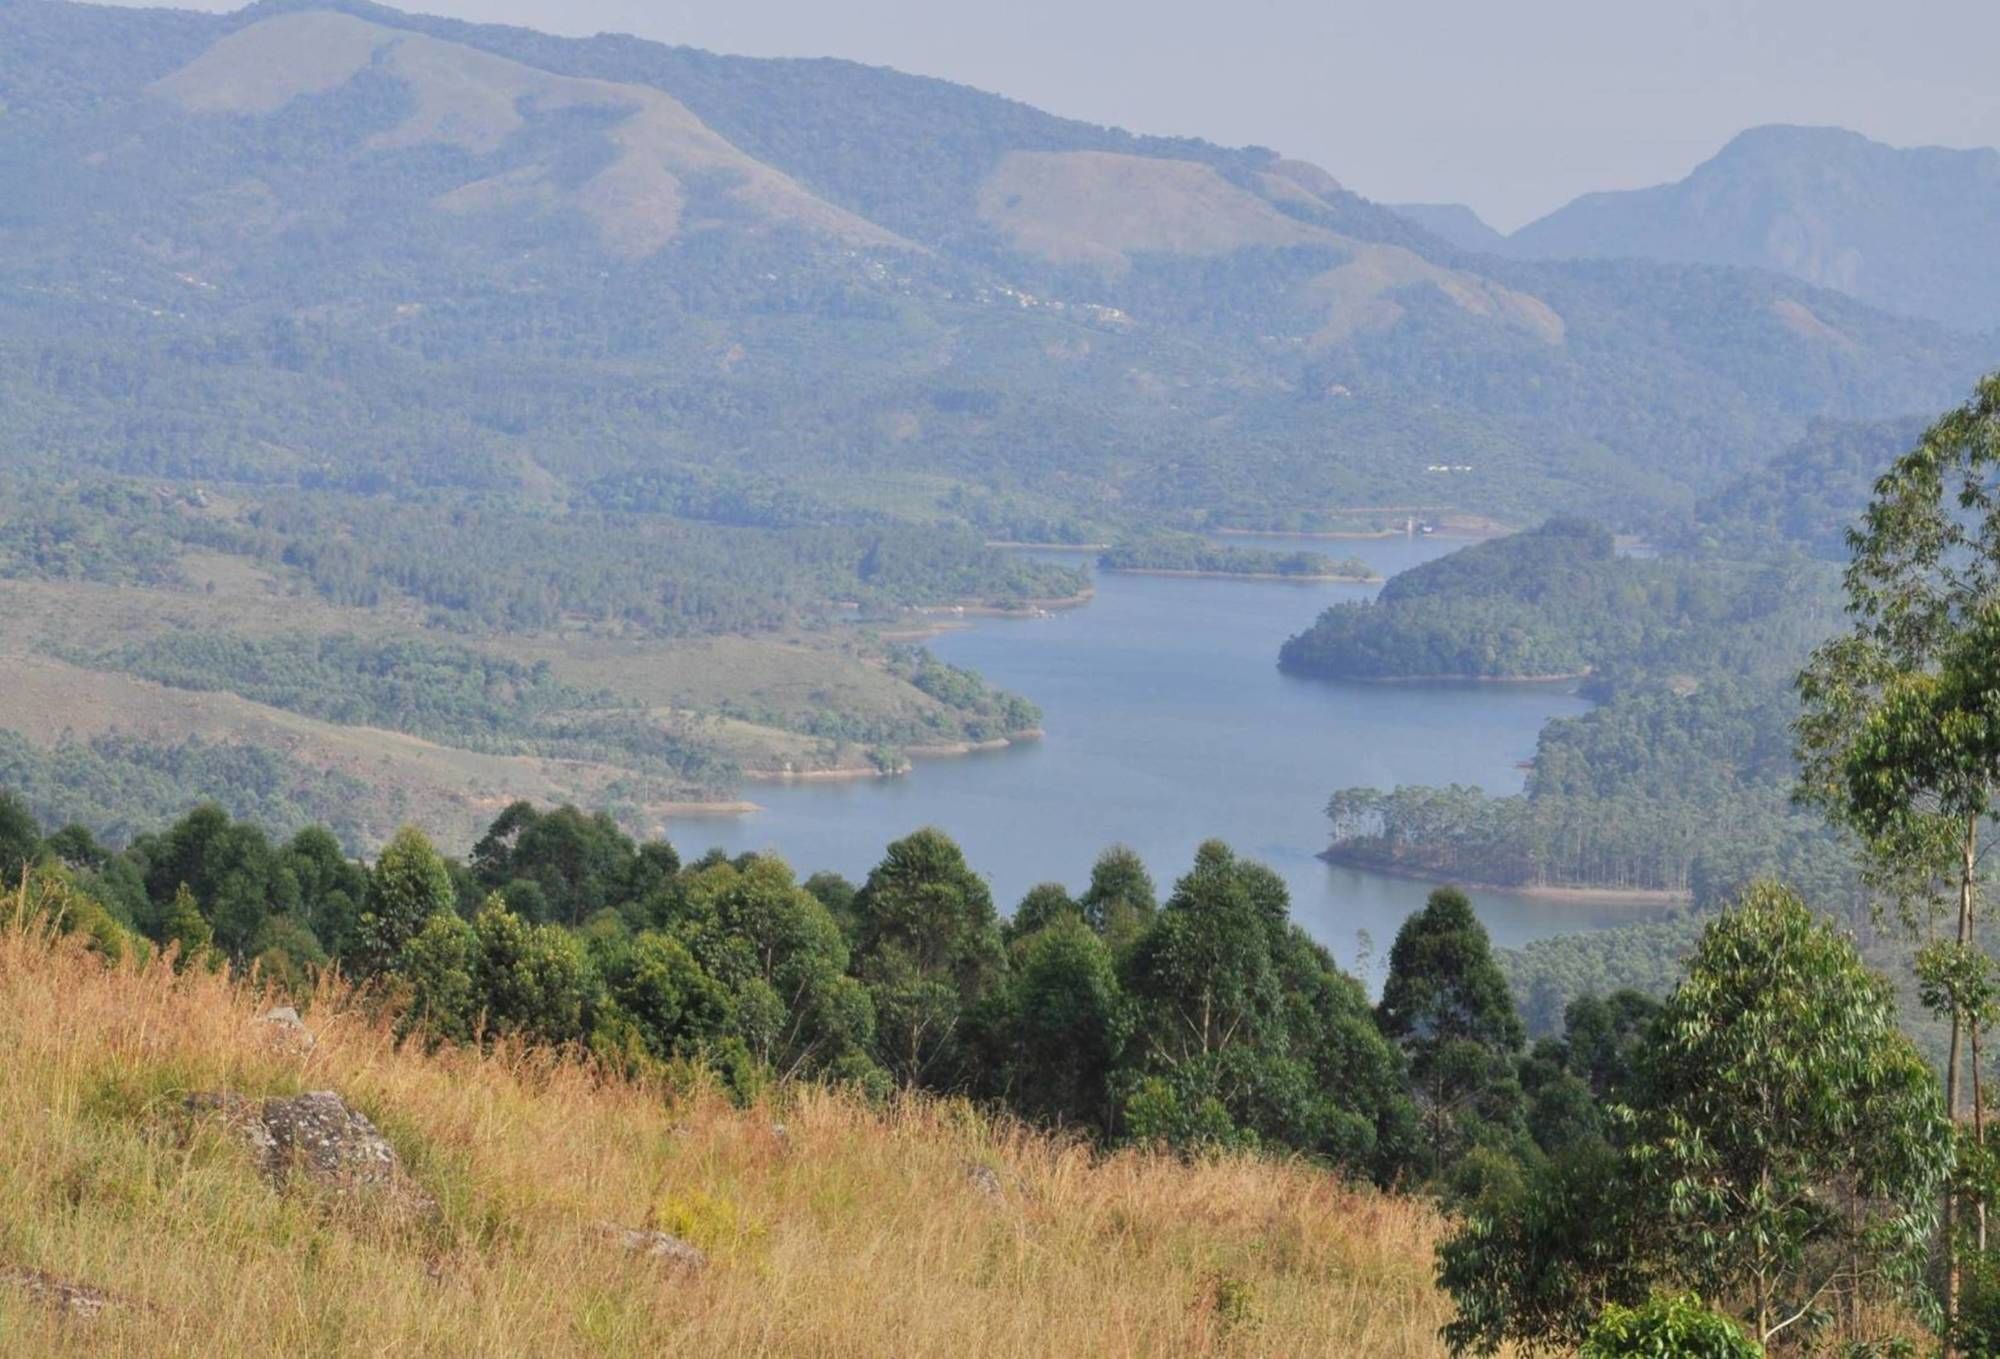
x: 1512, y: 107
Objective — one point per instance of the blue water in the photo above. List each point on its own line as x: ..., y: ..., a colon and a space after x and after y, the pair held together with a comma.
x: 1167, y: 723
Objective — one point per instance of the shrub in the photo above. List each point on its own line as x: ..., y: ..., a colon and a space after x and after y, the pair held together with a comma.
x: 1668, y: 1327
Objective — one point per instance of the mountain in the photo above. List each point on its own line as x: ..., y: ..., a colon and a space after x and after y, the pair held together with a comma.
x: 331, y: 245
x: 1914, y: 231
x: 1456, y: 223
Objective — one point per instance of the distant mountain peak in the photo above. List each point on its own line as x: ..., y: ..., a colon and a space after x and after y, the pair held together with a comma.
x: 1912, y: 230
x: 1455, y: 223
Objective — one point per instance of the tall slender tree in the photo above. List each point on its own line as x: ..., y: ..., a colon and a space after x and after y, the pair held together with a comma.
x: 1447, y: 1004
x: 1896, y: 737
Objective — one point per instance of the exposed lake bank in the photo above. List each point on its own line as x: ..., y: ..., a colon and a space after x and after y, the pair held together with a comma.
x: 1296, y: 578
x: 1643, y: 897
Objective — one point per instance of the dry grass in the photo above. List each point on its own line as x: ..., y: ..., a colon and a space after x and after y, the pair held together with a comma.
x: 854, y: 1232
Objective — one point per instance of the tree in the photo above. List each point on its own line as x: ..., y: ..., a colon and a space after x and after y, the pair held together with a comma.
x: 529, y: 979
x: 184, y: 925
x: 332, y: 887
x: 20, y: 839
x: 1059, y: 1026
x: 665, y: 998
x: 230, y: 868
x: 1120, y: 901
x: 930, y: 950
x: 1043, y: 905
x: 1789, y: 1136
x: 1245, y: 1032
x: 577, y: 863
x: 774, y: 942
x: 437, y: 964
x: 408, y: 886
x: 1446, y: 1003
x: 1894, y: 742
x: 1783, y: 1150
x: 1533, y: 1263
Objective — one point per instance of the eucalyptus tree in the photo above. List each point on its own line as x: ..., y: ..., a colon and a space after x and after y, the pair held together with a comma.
x: 1447, y: 1005
x: 1781, y: 1149
x: 1897, y: 737
x: 1788, y: 1136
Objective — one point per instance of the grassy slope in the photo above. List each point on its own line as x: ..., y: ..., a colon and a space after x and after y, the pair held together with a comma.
x: 856, y: 1233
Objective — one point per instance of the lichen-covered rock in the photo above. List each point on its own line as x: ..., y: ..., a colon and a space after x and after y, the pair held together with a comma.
x: 669, y: 1250
x: 320, y: 1137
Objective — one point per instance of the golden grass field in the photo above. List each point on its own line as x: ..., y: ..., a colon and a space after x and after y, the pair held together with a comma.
x: 855, y: 1231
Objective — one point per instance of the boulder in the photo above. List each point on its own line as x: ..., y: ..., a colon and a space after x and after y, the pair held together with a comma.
x: 319, y: 1137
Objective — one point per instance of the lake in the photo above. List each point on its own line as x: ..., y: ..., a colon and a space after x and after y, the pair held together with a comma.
x: 1167, y: 723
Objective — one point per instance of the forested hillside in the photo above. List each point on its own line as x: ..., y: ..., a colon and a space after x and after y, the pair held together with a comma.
x: 603, y: 258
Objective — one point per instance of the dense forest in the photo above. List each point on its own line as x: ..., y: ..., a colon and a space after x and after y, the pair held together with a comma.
x: 477, y: 565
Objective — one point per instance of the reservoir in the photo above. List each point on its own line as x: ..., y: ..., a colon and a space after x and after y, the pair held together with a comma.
x: 1166, y: 723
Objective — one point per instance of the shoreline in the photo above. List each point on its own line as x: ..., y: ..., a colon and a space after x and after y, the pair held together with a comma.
x: 1319, y: 535
x: 854, y: 773
x: 1018, y: 545
x: 1445, y: 530
x: 667, y: 811
x: 1279, y: 577
x: 1569, y: 678
x: 1622, y: 896
x: 932, y: 620
x: 1027, y: 608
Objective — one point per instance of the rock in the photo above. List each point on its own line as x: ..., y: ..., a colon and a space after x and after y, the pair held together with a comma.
x: 319, y: 1136
x: 81, y: 1301
x: 986, y: 1180
x: 670, y: 1250
x: 283, y: 1021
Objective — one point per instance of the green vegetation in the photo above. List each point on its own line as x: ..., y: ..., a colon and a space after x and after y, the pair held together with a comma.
x: 1675, y: 1325
x: 1776, y: 1129
x: 1695, y: 1145
x: 1806, y: 499
x: 385, y: 615
x: 1679, y: 782
x: 118, y: 785
x: 1206, y: 1021
x: 1557, y: 601
x: 1192, y: 554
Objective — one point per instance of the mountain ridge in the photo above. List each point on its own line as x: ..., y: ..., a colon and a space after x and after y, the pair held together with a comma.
x: 1909, y: 229
x: 819, y: 271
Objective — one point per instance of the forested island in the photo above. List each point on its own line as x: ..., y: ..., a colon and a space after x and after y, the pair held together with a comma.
x: 1678, y: 783
x: 1190, y: 554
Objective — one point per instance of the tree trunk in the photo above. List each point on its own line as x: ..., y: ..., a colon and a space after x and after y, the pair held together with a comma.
x: 1968, y: 867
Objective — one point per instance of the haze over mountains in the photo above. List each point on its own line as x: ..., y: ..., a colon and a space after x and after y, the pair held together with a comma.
x: 1912, y: 230
x: 879, y: 287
